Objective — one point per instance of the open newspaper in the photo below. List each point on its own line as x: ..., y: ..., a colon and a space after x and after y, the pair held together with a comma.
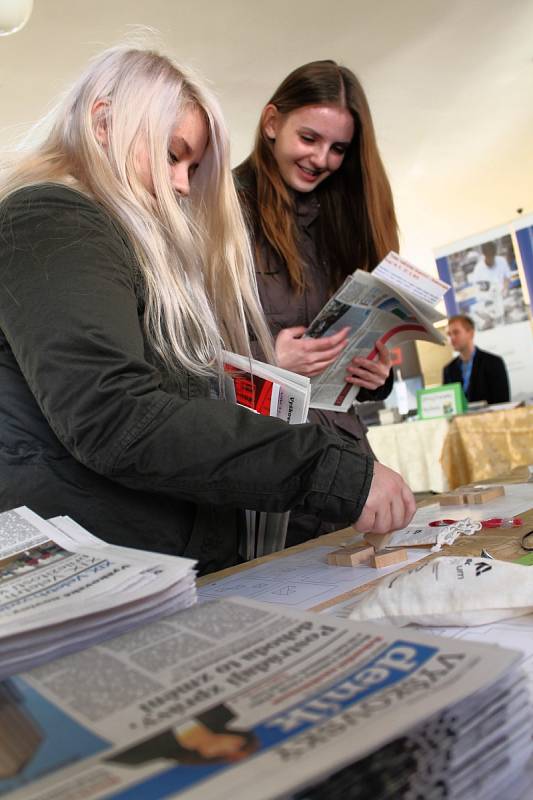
x: 62, y: 589
x: 275, y: 392
x: 393, y: 304
x: 234, y: 699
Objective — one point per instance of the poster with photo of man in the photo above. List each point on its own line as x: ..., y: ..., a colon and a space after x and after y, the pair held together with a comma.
x: 487, y: 284
x: 486, y: 279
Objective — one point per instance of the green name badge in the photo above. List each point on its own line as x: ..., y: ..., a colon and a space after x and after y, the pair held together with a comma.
x: 441, y: 401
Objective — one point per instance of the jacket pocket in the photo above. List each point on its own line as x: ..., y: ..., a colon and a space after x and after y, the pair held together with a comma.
x: 274, y: 291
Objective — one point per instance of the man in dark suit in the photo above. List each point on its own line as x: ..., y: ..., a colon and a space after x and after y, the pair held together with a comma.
x: 483, y: 375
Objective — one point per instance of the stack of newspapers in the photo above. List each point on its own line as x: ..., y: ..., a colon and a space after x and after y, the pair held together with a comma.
x: 273, y: 392
x: 62, y: 589
x: 235, y: 699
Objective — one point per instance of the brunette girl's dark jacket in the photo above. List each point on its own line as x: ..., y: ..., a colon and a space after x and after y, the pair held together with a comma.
x: 284, y: 307
x: 92, y: 428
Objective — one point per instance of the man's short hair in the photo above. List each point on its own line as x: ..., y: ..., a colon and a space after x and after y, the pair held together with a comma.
x: 488, y: 248
x: 467, y: 322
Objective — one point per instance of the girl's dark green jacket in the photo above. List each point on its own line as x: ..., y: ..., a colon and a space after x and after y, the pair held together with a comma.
x: 92, y: 427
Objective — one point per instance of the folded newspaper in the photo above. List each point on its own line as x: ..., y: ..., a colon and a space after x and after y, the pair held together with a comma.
x: 393, y: 304
x: 235, y: 699
x: 266, y: 389
x: 62, y: 589
x: 273, y: 392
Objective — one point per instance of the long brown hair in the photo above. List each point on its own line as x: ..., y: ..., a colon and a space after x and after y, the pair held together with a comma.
x: 357, y: 224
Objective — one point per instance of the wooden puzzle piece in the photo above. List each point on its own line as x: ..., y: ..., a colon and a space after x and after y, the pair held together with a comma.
x: 350, y: 556
x: 475, y: 495
x: 378, y: 540
x: 384, y: 558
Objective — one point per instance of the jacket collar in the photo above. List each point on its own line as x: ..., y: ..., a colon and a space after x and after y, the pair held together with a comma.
x: 307, y: 208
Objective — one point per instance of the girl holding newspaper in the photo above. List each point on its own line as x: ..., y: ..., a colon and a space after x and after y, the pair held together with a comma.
x: 318, y: 199
x: 125, y: 269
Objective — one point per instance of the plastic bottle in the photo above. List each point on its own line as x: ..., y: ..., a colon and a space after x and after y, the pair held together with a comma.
x: 402, y: 395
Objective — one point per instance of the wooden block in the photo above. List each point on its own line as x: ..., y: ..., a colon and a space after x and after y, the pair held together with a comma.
x: 350, y: 556
x: 378, y: 540
x: 483, y: 495
x: 384, y: 558
x: 452, y: 499
x: 472, y: 496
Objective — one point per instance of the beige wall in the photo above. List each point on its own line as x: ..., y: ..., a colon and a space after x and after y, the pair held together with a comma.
x: 449, y: 85
x: 432, y: 359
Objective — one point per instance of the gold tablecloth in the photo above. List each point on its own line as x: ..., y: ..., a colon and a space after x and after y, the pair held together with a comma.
x: 478, y: 447
x: 440, y: 454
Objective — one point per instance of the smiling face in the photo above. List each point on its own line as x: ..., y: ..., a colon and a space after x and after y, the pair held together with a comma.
x: 186, y: 149
x: 309, y: 144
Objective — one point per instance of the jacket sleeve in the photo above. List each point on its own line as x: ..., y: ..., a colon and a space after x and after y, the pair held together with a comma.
x: 498, y: 382
x: 377, y: 394
x: 69, y: 311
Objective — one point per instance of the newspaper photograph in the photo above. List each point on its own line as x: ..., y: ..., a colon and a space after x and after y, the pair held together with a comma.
x: 237, y: 699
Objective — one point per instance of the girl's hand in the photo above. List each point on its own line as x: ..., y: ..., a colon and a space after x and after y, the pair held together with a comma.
x: 370, y: 374
x: 310, y: 356
x: 390, y: 504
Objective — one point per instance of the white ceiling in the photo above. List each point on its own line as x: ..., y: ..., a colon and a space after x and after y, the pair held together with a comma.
x: 450, y: 85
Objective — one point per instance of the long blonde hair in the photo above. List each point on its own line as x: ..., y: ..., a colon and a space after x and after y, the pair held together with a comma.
x: 194, y: 255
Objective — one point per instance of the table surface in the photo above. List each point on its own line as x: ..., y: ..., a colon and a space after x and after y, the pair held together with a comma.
x: 502, y: 543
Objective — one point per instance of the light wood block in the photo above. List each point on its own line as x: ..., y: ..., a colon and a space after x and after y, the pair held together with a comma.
x: 472, y: 496
x: 484, y: 495
x: 350, y: 556
x: 378, y: 540
x: 452, y: 499
x: 384, y: 558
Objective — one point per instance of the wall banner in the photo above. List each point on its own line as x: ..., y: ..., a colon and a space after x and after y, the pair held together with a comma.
x: 490, y: 274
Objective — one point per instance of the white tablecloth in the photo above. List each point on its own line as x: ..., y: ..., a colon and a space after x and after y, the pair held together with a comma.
x: 414, y: 450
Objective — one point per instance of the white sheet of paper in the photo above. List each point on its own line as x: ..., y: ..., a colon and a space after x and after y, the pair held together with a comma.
x: 343, y: 609
x: 302, y: 580
x: 397, y: 271
x: 517, y: 499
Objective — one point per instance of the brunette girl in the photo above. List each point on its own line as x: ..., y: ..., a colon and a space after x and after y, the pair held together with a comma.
x: 319, y: 205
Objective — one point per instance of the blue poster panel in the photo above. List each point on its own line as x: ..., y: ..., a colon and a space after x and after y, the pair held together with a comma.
x: 523, y: 229
x: 486, y: 284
